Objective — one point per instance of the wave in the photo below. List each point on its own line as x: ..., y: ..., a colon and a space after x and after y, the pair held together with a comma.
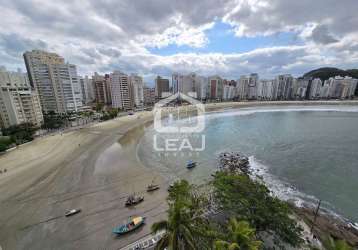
x: 251, y: 110
x: 288, y: 192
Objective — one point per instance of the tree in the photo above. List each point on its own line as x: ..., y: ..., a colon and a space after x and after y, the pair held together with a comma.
x: 178, y: 229
x: 5, y: 142
x: 99, y: 107
x: 240, y: 237
x: 331, y: 244
x: 251, y: 201
x: 20, y: 133
x: 53, y: 120
x: 185, y: 227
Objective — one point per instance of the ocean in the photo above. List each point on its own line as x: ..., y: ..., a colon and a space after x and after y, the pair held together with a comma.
x: 304, y: 153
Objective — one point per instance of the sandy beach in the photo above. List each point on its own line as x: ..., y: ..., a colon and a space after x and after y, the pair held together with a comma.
x: 60, y: 172
x: 94, y: 168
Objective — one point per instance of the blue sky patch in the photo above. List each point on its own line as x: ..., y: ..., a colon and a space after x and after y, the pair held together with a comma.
x: 223, y: 40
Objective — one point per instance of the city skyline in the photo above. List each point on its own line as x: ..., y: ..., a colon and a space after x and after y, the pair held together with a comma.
x: 227, y: 38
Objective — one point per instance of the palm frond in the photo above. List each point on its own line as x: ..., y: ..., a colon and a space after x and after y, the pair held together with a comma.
x: 162, y: 243
x: 159, y: 226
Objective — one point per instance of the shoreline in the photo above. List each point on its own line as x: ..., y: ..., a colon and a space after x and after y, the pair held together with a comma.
x: 58, y: 172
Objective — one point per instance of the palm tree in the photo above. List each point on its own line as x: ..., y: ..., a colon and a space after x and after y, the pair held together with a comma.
x: 332, y: 244
x: 185, y: 227
x: 241, y: 237
x: 179, y: 232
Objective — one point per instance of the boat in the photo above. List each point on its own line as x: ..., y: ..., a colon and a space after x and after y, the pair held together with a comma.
x: 132, y: 224
x: 152, y: 187
x: 134, y: 200
x: 72, y: 212
x: 171, y: 185
x: 190, y: 164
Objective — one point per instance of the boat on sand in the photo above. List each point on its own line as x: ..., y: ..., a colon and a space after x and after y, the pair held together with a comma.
x: 130, y: 225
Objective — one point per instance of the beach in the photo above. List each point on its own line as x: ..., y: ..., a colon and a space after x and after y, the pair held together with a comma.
x: 52, y: 174
x: 94, y: 168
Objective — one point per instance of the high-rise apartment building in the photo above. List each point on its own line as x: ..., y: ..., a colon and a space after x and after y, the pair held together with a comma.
x: 149, y: 96
x: 136, y: 84
x: 284, y: 87
x: 229, y: 90
x: 247, y: 86
x: 252, y: 88
x: 19, y: 103
x: 243, y: 87
x: 265, y: 90
x: 87, y: 90
x: 161, y: 86
x: 315, y: 89
x: 102, y: 89
x: 341, y: 87
x: 57, y: 82
x: 201, y: 87
x: 215, y: 88
x: 183, y: 83
x: 121, y: 91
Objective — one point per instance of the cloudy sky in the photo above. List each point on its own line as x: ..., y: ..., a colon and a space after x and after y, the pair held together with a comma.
x: 150, y: 37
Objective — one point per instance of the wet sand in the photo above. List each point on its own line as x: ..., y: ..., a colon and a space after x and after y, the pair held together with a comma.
x: 95, y: 169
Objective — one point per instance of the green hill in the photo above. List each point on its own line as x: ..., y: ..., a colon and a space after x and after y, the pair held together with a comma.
x: 325, y: 73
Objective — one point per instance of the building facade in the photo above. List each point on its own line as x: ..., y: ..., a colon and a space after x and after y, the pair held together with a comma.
x: 121, y: 91
x: 341, y: 87
x: 87, y: 90
x: 161, y: 87
x: 57, y: 82
x: 201, y: 87
x: 19, y: 102
x: 136, y: 84
x: 315, y: 89
x: 284, y: 87
x: 102, y: 89
x: 183, y: 83
x: 149, y: 96
x: 215, y: 88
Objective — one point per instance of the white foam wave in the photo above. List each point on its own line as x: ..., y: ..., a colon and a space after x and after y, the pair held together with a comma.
x: 250, y: 111
x: 287, y: 192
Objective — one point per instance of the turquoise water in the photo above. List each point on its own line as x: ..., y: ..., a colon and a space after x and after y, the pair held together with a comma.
x: 304, y: 153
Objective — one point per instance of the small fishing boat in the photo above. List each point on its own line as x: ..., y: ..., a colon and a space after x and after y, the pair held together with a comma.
x: 190, y: 164
x: 171, y: 185
x: 134, y: 200
x: 132, y: 224
x: 152, y: 187
x: 72, y: 212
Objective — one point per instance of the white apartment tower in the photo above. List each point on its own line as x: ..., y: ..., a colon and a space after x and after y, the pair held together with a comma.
x: 183, y: 83
x: 341, y: 87
x: 19, y: 103
x: 87, y: 90
x: 284, y: 86
x: 121, y: 91
x: 57, y: 82
x: 136, y: 84
x: 201, y: 87
x: 315, y: 90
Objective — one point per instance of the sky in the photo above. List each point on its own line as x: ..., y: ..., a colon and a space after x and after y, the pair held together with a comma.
x: 158, y: 37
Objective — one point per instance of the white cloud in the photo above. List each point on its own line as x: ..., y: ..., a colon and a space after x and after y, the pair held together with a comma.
x: 106, y: 35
